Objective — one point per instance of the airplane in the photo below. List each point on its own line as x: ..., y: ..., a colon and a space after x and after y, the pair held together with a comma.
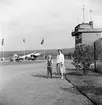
x: 31, y: 56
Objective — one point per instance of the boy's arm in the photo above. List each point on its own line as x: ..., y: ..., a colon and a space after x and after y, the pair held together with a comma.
x: 46, y: 63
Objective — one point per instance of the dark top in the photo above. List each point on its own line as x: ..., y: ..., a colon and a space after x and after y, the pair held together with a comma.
x: 49, y: 63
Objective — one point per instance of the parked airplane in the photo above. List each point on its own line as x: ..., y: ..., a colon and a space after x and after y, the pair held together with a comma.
x: 31, y: 56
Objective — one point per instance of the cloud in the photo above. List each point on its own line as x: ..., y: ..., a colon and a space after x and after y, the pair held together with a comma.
x: 34, y: 19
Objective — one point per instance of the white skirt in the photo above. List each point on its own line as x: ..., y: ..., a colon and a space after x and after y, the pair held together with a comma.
x: 62, y: 68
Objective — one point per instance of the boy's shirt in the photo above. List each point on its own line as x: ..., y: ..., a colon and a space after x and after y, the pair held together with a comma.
x: 49, y: 62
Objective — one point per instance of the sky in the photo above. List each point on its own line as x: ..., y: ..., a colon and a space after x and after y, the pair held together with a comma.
x: 52, y: 20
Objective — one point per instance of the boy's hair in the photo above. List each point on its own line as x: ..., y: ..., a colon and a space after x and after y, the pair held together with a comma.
x: 49, y: 56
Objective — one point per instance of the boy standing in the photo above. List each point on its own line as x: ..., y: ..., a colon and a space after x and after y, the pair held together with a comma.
x: 49, y: 66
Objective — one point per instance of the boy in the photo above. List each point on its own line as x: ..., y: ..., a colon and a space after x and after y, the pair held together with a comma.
x: 49, y: 66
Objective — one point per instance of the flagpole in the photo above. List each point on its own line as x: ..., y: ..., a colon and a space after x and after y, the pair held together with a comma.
x: 83, y: 14
x: 44, y: 53
x: 3, y: 48
x: 24, y: 47
x: 3, y: 53
x: 24, y: 51
x: 90, y: 15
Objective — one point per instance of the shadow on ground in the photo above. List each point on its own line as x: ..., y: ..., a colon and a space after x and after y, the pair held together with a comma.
x: 43, y: 76
x: 54, y: 73
x: 74, y: 73
x: 70, y: 69
x: 39, y: 75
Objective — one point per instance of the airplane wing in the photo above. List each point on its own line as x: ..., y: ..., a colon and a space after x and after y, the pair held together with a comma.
x: 37, y: 54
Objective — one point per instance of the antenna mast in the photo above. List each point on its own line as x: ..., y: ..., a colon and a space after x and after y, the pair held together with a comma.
x: 90, y: 15
x: 83, y: 14
x: 77, y: 20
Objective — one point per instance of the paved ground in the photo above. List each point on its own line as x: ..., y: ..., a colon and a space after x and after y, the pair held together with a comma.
x: 26, y: 84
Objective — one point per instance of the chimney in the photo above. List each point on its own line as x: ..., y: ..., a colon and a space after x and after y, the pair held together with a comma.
x: 91, y: 23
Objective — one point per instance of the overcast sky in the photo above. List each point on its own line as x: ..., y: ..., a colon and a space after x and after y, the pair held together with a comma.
x: 52, y: 20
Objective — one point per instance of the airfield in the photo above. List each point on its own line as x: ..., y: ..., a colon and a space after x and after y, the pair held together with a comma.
x: 25, y: 83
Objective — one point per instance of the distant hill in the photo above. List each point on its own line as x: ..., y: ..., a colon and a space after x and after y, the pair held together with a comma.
x: 65, y: 51
x: 52, y: 52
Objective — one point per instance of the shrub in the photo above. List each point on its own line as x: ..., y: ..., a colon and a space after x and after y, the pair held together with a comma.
x: 84, y: 55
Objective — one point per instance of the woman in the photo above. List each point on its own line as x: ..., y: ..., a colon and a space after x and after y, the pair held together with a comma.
x: 60, y: 62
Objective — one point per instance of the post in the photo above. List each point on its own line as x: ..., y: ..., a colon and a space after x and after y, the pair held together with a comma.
x: 24, y: 47
x: 44, y: 54
x: 43, y: 51
x: 24, y: 51
x: 77, y: 20
x: 94, y: 56
x: 3, y: 54
x: 83, y: 14
x: 3, y: 48
x: 90, y: 15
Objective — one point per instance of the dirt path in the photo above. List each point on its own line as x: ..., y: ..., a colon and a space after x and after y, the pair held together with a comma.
x: 28, y: 85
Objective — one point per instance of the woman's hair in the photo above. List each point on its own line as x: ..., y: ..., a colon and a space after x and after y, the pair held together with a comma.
x: 59, y: 50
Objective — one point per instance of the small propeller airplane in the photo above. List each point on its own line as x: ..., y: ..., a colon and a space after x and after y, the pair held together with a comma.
x: 31, y: 56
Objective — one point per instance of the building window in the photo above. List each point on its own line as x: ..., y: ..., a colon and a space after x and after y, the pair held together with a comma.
x: 78, y: 39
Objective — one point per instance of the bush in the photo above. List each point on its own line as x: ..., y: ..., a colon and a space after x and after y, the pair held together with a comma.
x: 84, y: 55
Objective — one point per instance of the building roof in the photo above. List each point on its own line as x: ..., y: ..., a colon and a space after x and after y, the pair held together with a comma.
x: 85, y: 28
x: 80, y: 30
x: 83, y: 25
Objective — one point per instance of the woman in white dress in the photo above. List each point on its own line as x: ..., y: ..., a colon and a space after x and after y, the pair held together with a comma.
x: 61, y: 62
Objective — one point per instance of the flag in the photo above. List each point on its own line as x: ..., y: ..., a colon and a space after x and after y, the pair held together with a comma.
x: 90, y: 11
x: 2, y: 42
x: 24, y: 40
x: 42, y: 41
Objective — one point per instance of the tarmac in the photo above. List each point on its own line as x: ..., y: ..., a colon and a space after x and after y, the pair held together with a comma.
x: 26, y: 84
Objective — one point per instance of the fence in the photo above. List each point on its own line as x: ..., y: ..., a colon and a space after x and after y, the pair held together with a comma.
x: 98, y: 54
